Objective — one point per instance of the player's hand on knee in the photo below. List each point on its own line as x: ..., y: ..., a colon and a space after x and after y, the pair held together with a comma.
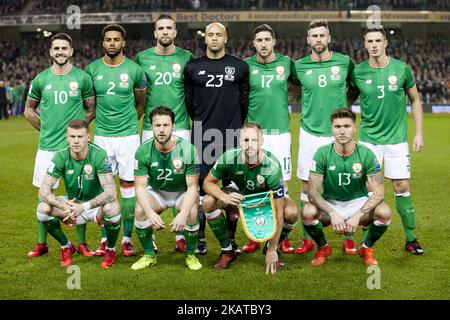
x: 233, y: 199
x: 76, y: 208
x: 179, y: 222
x: 338, y: 223
x: 351, y: 224
x: 156, y: 221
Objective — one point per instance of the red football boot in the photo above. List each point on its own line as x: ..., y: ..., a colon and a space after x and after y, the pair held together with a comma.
x: 109, y: 258
x: 348, y: 246
x: 251, y: 246
x: 180, y: 245
x: 84, y: 249
x: 226, y: 258
x: 286, y: 246
x: 101, y: 249
x: 368, y: 256
x: 66, y: 256
x: 321, y: 255
x: 128, y: 250
x: 38, y: 250
x: 306, y: 246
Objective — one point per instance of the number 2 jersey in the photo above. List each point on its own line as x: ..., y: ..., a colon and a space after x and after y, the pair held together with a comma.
x: 344, y: 175
x: 167, y: 169
x: 81, y: 176
x: 61, y: 100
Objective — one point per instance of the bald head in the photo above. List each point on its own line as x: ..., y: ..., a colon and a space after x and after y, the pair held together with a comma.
x: 215, y: 40
x: 216, y: 25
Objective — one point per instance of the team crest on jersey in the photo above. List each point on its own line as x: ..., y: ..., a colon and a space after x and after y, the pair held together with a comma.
x: 73, y: 88
x: 176, y: 67
x: 357, y: 169
x: 280, y: 73
x: 393, y: 85
x: 177, y: 164
x: 335, y: 73
x: 260, y: 179
x: 88, y: 170
x: 124, y: 80
x: 229, y: 73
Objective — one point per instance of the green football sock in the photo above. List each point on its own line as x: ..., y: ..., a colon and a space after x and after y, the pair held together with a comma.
x: 375, y: 232
x: 112, y: 227
x: 316, y: 233
x: 103, y: 231
x: 127, y: 206
x: 42, y: 232
x: 305, y: 232
x: 54, y: 228
x: 191, y: 238
x: 287, y: 228
x: 347, y: 236
x: 81, y: 233
x: 218, y: 225
x: 407, y: 213
x: 179, y: 234
x: 145, y: 237
x: 365, y: 231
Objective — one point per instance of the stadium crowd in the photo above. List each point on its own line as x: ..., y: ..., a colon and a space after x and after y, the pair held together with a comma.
x: 59, y: 6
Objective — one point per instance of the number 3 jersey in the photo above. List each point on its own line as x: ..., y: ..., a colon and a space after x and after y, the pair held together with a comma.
x: 61, y: 100
x: 81, y: 176
x: 324, y: 85
x: 344, y: 175
x: 250, y: 179
x: 167, y: 169
x: 383, y: 101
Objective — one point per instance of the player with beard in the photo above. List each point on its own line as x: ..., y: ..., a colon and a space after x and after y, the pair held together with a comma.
x: 324, y: 76
x: 216, y: 93
x: 163, y: 66
x: 120, y: 87
x: 63, y: 92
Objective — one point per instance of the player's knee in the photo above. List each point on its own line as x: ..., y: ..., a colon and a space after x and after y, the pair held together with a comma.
x: 44, y: 208
x: 400, y: 186
x: 310, y: 212
x: 383, y: 213
x: 139, y: 213
x: 111, y: 209
x: 208, y: 203
x: 291, y: 213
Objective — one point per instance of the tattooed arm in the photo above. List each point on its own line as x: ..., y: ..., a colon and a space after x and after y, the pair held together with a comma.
x: 89, y: 107
x: 30, y: 113
x: 46, y: 195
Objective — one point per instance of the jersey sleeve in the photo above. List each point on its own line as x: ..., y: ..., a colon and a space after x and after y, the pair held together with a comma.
x: 220, y: 169
x: 350, y: 76
x: 35, y: 89
x: 371, y: 164
x: 275, y: 183
x: 293, y: 74
x: 409, y: 79
x: 103, y: 165
x: 244, y: 91
x: 193, y: 166
x: 188, y: 89
x: 318, y: 165
x: 87, y: 89
x: 140, y: 166
x: 140, y: 81
x: 56, y: 167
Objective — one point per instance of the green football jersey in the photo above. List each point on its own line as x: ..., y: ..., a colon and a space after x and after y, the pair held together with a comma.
x: 383, y: 101
x: 167, y: 169
x: 116, y: 114
x: 344, y: 176
x: 268, y: 98
x: 165, y: 83
x: 61, y: 100
x: 264, y: 176
x: 81, y: 176
x: 324, y: 86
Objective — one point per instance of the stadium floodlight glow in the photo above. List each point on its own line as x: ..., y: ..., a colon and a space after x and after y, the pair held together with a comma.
x: 38, y: 29
x: 392, y: 32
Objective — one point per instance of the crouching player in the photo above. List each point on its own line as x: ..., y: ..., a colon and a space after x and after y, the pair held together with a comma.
x: 166, y: 176
x: 253, y: 170
x: 342, y: 169
x: 91, y: 192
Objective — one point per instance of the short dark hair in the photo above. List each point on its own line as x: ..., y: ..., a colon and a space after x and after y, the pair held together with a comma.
x: 61, y: 36
x: 318, y: 23
x: 78, y: 124
x: 252, y: 125
x: 114, y: 27
x: 261, y: 28
x: 375, y: 29
x: 343, y: 113
x: 162, y: 111
x: 164, y: 16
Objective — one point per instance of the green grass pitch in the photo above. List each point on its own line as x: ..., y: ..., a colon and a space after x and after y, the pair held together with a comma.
x: 403, y: 276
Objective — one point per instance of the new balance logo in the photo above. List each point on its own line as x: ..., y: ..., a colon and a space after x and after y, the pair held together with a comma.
x: 47, y: 87
x: 255, y: 71
x: 240, y: 172
x: 152, y: 67
x: 70, y: 171
x: 154, y: 164
x: 308, y: 72
x: 99, y: 78
x: 332, y: 168
x: 201, y: 72
x: 369, y: 81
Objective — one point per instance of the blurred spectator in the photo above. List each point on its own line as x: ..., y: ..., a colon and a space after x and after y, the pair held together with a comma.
x: 3, y: 101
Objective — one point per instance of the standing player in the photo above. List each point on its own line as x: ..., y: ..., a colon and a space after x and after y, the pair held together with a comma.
x: 163, y: 66
x: 384, y: 83
x: 342, y: 169
x: 63, y: 92
x: 216, y: 92
x: 166, y: 175
x: 270, y: 76
x: 120, y: 86
x: 253, y: 170
x: 91, y: 192
x: 324, y: 76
